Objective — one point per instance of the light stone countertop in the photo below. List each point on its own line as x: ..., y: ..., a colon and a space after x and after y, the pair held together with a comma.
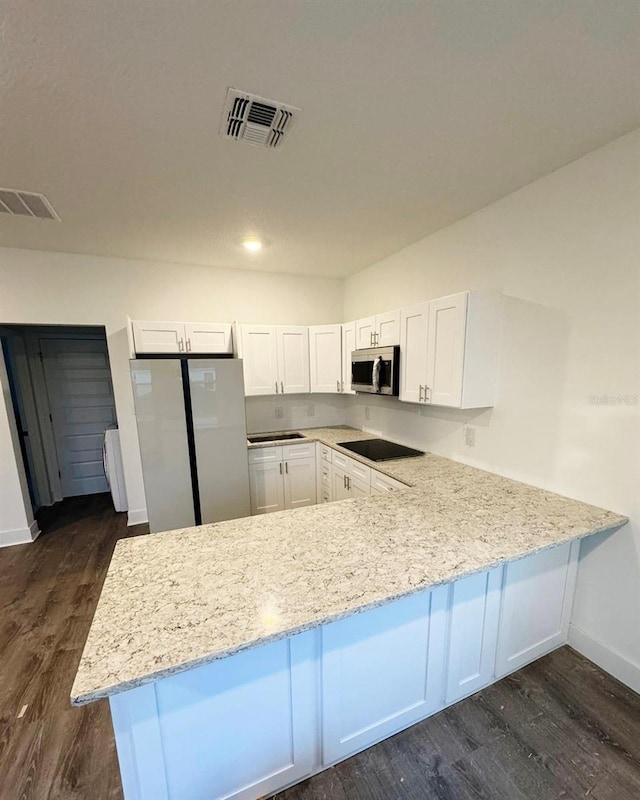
x: 174, y: 600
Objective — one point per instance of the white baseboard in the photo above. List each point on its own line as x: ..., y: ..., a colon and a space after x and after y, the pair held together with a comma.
x: 20, y: 535
x: 626, y: 671
x: 137, y: 516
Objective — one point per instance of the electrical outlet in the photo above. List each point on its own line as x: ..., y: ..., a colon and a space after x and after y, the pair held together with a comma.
x: 279, y: 412
x: 311, y: 410
x: 470, y: 436
x: 367, y: 412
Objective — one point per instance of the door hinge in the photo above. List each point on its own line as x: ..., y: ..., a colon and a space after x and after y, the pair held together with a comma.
x: 59, y: 474
x: 50, y: 418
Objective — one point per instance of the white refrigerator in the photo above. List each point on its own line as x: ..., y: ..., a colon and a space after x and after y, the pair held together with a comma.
x: 193, y: 440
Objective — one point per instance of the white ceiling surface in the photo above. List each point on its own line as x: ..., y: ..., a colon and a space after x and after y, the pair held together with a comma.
x: 414, y: 114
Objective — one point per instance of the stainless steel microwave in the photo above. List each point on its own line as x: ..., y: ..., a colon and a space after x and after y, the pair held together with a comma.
x: 376, y: 370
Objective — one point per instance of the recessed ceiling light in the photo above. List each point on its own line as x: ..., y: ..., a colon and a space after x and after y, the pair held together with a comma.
x: 252, y: 245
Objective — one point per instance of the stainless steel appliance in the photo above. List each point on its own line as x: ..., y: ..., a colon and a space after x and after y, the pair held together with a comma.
x: 193, y: 440
x: 380, y: 449
x: 376, y: 370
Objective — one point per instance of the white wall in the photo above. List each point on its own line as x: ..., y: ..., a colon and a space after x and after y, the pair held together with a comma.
x: 53, y: 288
x: 566, y: 252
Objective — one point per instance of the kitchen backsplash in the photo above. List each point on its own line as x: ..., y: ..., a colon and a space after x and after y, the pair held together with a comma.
x: 286, y: 412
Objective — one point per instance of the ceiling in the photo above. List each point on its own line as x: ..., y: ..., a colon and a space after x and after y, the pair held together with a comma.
x: 414, y: 114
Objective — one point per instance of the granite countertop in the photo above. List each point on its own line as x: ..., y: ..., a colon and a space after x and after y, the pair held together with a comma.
x: 178, y: 599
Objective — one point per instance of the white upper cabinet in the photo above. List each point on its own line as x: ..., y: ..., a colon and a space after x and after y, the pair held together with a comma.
x: 348, y: 346
x: 259, y: 352
x: 414, y: 330
x: 449, y: 350
x: 325, y: 358
x: 383, y: 330
x: 150, y: 336
x: 365, y: 332
x: 153, y: 336
x: 276, y: 359
x: 208, y: 337
x: 293, y: 359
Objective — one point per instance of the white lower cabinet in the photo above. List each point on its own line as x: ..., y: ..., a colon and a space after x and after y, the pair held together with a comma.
x: 253, y: 723
x: 537, y: 599
x: 282, y: 477
x: 400, y: 649
x: 473, y: 633
x: 237, y: 729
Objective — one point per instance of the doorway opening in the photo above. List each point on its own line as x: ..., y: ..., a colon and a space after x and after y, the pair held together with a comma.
x: 62, y: 395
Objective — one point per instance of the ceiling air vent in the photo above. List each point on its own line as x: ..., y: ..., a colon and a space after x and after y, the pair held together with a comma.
x: 26, y: 204
x: 256, y: 120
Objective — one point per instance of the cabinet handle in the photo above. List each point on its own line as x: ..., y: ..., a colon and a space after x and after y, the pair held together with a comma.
x: 286, y: 467
x: 281, y: 467
x: 189, y: 344
x: 344, y: 481
x: 427, y: 394
x: 276, y: 387
x: 421, y: 391
x: 281, y: 387
x: 180, y: 344
x: 338, y: 385
x: 349, y: 483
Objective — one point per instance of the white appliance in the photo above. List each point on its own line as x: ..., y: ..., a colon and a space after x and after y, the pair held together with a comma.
x: 112, y: 460
x: 193, y: 440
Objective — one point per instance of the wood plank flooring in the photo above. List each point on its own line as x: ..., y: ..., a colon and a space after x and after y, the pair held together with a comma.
x: 560, y: 728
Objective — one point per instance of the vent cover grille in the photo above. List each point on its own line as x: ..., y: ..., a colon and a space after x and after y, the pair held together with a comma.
x: 256, y: 120
x: 26, y: 204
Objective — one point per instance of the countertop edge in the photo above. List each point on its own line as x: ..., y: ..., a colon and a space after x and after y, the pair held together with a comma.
x: 78, y: 700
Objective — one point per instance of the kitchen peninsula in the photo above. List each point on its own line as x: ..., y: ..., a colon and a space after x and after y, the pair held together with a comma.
x: 241, y: 657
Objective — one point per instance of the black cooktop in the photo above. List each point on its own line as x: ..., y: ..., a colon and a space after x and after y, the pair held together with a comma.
x: 380, y: 449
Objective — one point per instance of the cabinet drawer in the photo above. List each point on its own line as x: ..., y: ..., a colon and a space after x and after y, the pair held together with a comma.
x: 325, y: 452
x: 325, y: 496
x: 340, y: 460
x: 263, y: 455
x: 359, y: 471
x: 383, y: 483
x: 325, y: 474
x: 304, y: 450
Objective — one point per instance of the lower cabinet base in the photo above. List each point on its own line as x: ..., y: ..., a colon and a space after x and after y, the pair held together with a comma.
x: 252, y: 724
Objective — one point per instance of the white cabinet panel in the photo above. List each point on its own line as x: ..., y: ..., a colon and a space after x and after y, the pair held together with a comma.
x: 325, y: 358
x: 383, y: 483
x: 414, y: 331
x: 293, y: 359
x: 208, y: 337
x: 348, y: 346
x: 365, y: 332
x: 303, y: 450
x: 267, y: 487
x: 537, y: 598
x: 237, y: 729
x: 260, y: 455
x: 152, y: 336
x: 259, y: 353
x: 387, y: 329
x: 399, y: 647
x: 445, y: 358
x: 473, y: 633
x: 299, y: 482
x: 357, y: 487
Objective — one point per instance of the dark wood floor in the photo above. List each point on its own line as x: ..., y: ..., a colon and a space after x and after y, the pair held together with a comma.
x: 560, y: 728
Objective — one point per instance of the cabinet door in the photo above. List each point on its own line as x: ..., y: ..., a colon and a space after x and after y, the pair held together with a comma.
x: 365, y: 330
x: 473, y: 633
x: 537, y: 597
x: 293, y: 359
x: 235, y: 729
x: 445, y: 350
x: 325, y: 358
x: 267, y: 487
x: 381, y: 672
x: 348, y: 346
x: 208, y: 337
x: 414, y: 330
x: 259, y: 355
x: 299, y: 482
x: 388, y: 329
x: 158, y: 337
x: 357, y: 487
x: 339, y: 484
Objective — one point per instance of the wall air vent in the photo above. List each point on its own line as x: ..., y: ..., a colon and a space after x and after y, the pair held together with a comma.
x: 256, y: 120
x: 26, y: 204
